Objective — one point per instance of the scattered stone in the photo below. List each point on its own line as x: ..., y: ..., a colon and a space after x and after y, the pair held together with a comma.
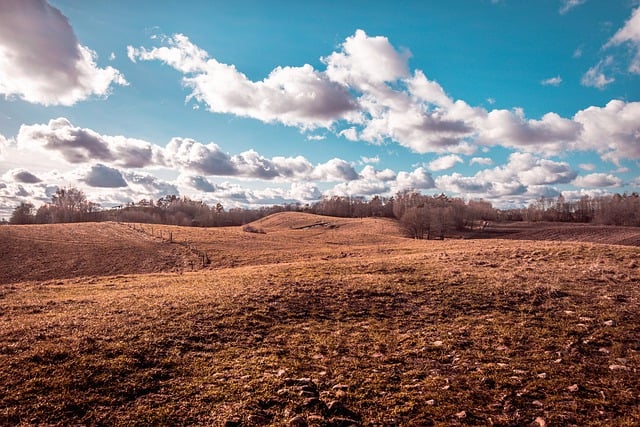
x: 258, y: 419
x: 462, y: 415
x: 604, y: 350
x: 430, y: 402
x: 314, y: 404
x: 542, y: 376
x: 537, y: 403
x: 337, y: 408
x: 340, y: 394
x: 298, y: 422
x: 573, y: 388
x: 268, y: 403
x: 619, y: 368
x: 343, y: 422
x: 610, y: 323
x: 437, y: 343
x: 298, y: 381
x: 539, y: 422
x: 633, y: 264
x: 340, y: 387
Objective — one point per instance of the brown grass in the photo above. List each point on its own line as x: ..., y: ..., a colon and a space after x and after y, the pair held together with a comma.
x: 329, y: 326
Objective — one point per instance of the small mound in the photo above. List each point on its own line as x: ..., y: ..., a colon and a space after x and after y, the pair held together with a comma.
x: 61, y: 251
x: 295, y: 221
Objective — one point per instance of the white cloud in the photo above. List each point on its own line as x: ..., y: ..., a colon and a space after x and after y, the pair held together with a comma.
x: 374, y: 160
x: 596, y: 75
x: 419, y: 179
x: 552, y: 81
x: 350, y: 133
x: 486, y: 161
x: 366, y: 61
x: 445, y: 162
x: 551, y: 134
x: 613, y: 130
x: 295, y: 96
x: 567, y: 5
x: 523, y: 174
x: 587, y: 166
x: 595, y: 180
x: 629, y: 33
x: 334, y: 170
x: 41, y: 60
x: 316, y: 137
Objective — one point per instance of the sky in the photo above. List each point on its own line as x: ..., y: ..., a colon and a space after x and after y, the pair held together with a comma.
x: 254, y: 103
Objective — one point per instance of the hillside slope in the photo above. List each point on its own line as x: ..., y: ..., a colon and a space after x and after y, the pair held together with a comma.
x: 57, y: 251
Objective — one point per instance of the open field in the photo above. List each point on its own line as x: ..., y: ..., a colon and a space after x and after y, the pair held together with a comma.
x: 326, y: 322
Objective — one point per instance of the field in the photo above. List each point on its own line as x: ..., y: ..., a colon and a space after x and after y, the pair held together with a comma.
x: 318, y: 321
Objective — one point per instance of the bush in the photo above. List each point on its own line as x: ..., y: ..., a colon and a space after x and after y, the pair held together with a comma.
x: 252, y: 229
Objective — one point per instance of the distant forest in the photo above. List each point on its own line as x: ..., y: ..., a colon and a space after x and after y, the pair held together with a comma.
x: 421, y: 216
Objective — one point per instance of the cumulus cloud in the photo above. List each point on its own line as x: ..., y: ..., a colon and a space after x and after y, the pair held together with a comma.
x: 104, y: 177
x: 630, y: 34
x: 595, y: 180
x: 209, y: 159
x: 419, y: 179
x: 374, y: 97
x: 149, y: 185
x: 551, y: 134
x: 78, y: 145
x: 297, y: 96
x: 552, y: 81
x: 445, y: 162
x: 365, y: 61
x: 334, y: 170
x: 524, y: 173
x: 41, y: 60
x: 613, y: 130
x: 567, y: 5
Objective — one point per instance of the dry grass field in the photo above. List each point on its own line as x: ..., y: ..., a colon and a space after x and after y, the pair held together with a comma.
x: 318, y: 321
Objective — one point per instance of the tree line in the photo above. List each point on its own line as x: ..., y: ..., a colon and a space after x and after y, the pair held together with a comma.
x: 421, y: 216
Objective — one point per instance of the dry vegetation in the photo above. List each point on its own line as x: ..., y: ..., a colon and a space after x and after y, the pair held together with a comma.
x: 327, y: 322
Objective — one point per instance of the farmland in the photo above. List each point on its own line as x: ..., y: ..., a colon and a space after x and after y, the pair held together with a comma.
x: 309, y: 320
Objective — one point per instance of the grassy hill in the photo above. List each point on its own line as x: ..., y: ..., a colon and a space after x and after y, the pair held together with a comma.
x: 334, y: 324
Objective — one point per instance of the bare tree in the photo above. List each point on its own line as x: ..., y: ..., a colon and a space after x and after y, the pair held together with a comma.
x: 23, y: 214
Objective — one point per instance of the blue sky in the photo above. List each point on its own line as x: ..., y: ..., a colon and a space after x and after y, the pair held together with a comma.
x: 252, y: 103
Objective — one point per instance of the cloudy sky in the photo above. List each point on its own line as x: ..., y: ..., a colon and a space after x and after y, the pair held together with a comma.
x: 253, y: 103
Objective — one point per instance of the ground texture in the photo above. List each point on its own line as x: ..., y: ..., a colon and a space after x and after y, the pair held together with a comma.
x: 331, y: 323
